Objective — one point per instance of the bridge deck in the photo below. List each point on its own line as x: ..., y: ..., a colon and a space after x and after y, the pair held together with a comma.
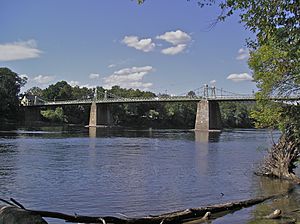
x: 157, y: 100
x: 142, y: 100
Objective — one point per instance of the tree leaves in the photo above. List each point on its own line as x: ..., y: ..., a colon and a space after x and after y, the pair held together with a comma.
x: 10, y: 85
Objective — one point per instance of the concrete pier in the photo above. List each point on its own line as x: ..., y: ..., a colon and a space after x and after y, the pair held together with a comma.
x: 100, y: 115
x: 208, y: 117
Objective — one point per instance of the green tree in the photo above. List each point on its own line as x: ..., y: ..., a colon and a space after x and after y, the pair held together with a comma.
x: 236, y: 115
x: 100, y: 92
x: 36, y: 91
x: 130, y: 114
x: 276, y: 71
x: 64, y: 91
x: 58, y: 91
x: 191, y: 94
x: 179, y: 115
x: 10, y: 84
x: 82, y: 93
x: 56, y: 115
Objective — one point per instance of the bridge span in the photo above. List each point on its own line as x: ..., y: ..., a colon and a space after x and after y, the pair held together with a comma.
x: 208, y: 116
x: 143, y: 100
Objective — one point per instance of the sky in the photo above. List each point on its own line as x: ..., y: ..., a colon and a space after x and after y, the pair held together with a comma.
x: 164, y: 46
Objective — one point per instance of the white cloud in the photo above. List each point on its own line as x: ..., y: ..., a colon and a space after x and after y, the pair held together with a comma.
x: 213, y: 82
x: 94, y: 76
x: 178, y: 39
x: 129, y: 78
x: 240, y: 77
x: 174, y: 50
x: 43, y: 79
x: 145, y: 45
x: 118, y: 63
x: 19, y: 50
x: 24, y: 76
x: 88, y: 86
x: 127, y: 71
x: 242, y: 54
x: 175, y: 37
x: 73, y: 83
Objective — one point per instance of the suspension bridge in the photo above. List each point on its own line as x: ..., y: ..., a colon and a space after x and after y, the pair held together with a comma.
x: 208, y: 115
x: 210, y: 93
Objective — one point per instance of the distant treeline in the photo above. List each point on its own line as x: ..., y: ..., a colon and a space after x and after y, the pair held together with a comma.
x: 157, y: 115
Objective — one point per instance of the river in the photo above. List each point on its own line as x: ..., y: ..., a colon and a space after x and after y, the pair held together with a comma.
x: 136, y: 172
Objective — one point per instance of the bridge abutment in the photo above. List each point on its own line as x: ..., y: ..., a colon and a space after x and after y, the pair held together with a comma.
x: 32, y: 115
x: 208, y: 116
x: 100, y: 115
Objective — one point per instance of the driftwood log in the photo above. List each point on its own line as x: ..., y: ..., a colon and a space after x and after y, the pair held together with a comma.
x: 173, y: 217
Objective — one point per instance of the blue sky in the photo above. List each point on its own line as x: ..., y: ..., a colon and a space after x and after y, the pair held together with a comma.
x: 161, y: 46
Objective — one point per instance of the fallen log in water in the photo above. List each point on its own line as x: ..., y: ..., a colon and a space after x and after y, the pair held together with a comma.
x: 172, y: 217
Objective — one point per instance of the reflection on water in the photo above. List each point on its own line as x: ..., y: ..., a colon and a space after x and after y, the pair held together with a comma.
x: 134, y: 172
x: 92, y: 132
x: 288, y: 204
x: 267, y: 186
x: 262, y: 186
x: 199, y: 136
x: 204, y: 136
x: 7, y: 166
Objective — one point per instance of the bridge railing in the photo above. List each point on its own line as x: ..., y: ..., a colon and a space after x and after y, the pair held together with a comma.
x: 143, y: 99
x: 233, y: 97
x: 68, y: 102
x: 159, y: 99
x: 121, y: 100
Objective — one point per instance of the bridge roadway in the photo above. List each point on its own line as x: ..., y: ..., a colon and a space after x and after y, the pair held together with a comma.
x: 157, y: 99
x: 143, y: 100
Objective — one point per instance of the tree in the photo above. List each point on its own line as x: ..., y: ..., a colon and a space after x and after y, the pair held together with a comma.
x: 35, y: 91
x: 191, y: 94
x: 64, y: 91
x: 56, y: 115
x: 276, y: 71
x: 10, y: 85
x: 58, y: 91
x: 236, y: 115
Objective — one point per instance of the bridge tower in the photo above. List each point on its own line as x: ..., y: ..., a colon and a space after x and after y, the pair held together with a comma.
x: 208, y: 117
x: 100, y: 115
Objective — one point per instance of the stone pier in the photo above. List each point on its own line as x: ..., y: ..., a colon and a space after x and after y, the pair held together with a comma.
x: 32, y: 115
x: 100, y: 115
x: 208, y: 117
